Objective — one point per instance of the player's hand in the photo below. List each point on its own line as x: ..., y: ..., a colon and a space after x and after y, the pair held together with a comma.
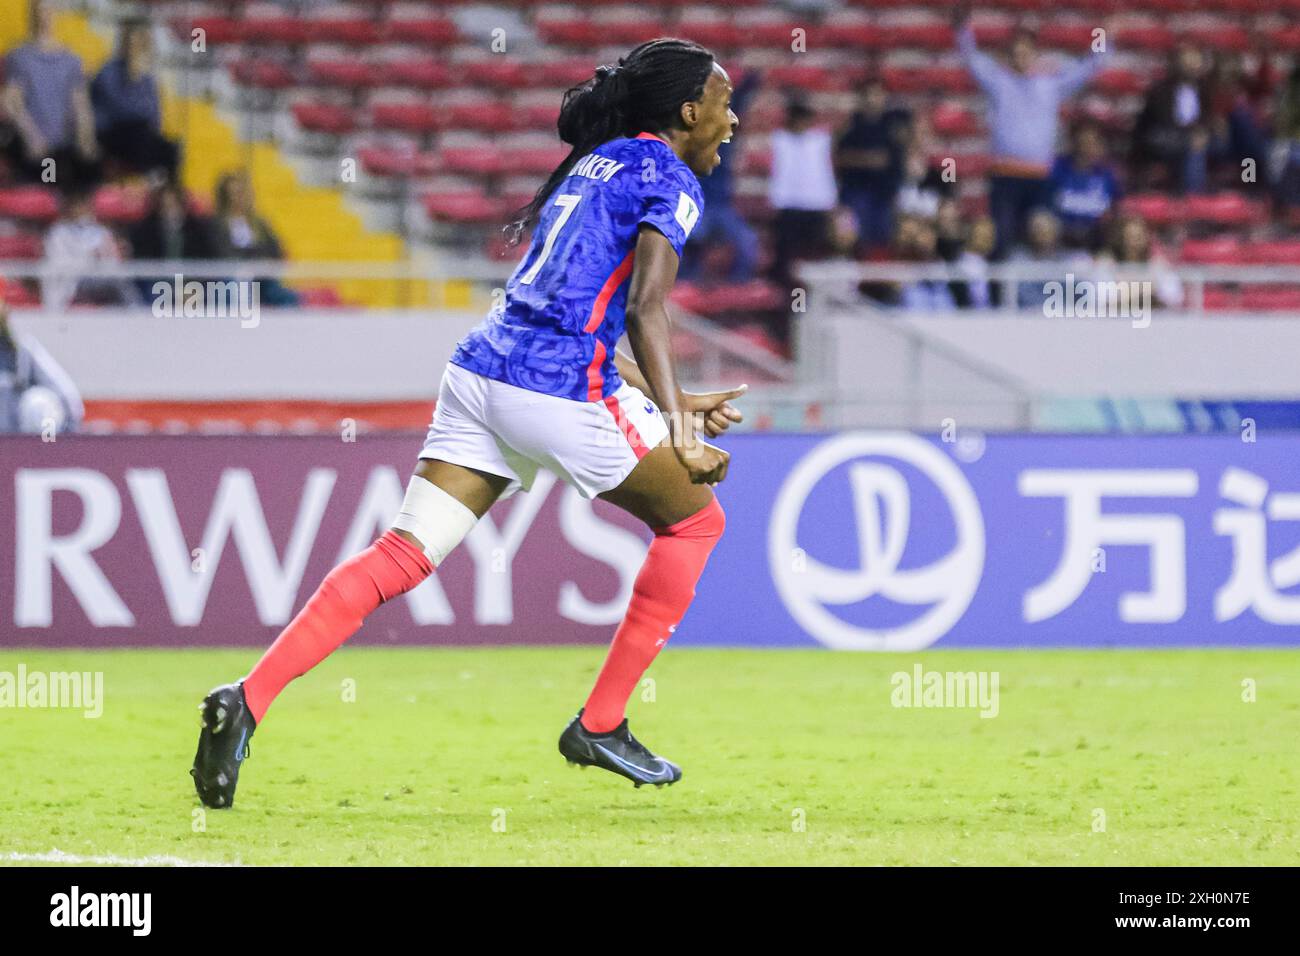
x: 705, y: 463
x: 715, y: 409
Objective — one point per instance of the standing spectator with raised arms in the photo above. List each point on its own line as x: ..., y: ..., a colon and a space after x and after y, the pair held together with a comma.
x: 1024, y: 102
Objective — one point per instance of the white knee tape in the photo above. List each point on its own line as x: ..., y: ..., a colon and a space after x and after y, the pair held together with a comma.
x: 438, y: 521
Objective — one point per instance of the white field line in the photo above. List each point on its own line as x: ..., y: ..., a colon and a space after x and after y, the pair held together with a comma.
x: 72, y: 859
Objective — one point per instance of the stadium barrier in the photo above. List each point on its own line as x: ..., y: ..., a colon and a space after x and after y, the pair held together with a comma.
x: 857, y: 540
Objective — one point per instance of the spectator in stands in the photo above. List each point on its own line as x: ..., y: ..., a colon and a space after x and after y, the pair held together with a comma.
x: 869, y: 157
x: 1023, y: 106
x: 922, y: 188
x: 239, y: 233
x: 36, y: 394
x: 76, y: 239
x: 925, y: 295
x: 1131, y: 244
x: 1286, y: 144
x: 1042, y: 246
x: 1236, y: 129
x: 975, y: 291
x: 170, y: 231
x: 128, y: 116
x: 46, y: 100
x: 720, y: 221
x: 1084, y: 189
x: 915, y: 240
x: 1171, y: 136
x: 967, y: 249
x: 802, y: 189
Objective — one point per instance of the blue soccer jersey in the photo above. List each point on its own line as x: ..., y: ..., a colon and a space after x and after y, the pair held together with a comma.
x: 564, y: 306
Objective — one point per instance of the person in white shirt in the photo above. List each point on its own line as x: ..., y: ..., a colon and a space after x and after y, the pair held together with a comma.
x: 802, y: 190
x: 36, y: 394
x: 75, y: 239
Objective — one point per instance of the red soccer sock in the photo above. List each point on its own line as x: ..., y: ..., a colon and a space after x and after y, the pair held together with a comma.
x: 389, y: 567
x: 662, y: 593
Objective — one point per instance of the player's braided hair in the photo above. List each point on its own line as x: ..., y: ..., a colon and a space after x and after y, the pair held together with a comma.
x: 644, y: 92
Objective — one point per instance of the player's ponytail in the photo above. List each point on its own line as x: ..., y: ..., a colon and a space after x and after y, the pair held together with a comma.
x: 644, y: 92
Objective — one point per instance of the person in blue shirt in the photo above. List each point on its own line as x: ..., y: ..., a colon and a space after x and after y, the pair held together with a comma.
x: 1084, y: 189
x: 128, y: 117
x: 541, y: 384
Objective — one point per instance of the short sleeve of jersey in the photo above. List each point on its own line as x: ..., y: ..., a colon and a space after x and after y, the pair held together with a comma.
x: 672, y: 203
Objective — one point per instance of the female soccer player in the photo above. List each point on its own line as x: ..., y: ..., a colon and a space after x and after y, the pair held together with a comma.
x: 539, y: 383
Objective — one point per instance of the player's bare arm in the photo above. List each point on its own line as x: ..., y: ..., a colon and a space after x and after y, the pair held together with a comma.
x: 649, y: 330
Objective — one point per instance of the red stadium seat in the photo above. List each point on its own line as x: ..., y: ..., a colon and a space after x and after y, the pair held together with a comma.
x: 1271, y: 298
x: 813, y: 78
x: 569, y: 31
x: 939, y: 79
x: 118, y: 205
x: 1229, y: 38
x: 426, y: 30
x: 420, y: 118
x: 29, y: 203
x: 1280, y: 253
x: 778, y: 35
x: 1157, y: 39
x: 398, y: 163
x: 757, y: 161
x: 497, y: 72
x: 1156, y: 208
x: 348, y: 74
x: 463, y: 207
x: 1225, y: 209
x: 561, y: 73
x: 993, y: 34
x: 1219, y: 298
x: 538, y: 116
x: 1221, y: 250
x: 949, y: 120
x: 422, y: 73
x: 921, y: 36
x: 20, y: 247
x: 712, y: 32
x: 1287, y: 38
x: 324, y: 118
x: 482, y: 160
x: 263, y: 74
x: 856, y: 36
x: 320, y: 297
x: 538, y: 161
x: 629, y: 32
x: 278, y: 29
x: 18, y: 295
x: 1120, y: 82
x: 217, y: 31
x: 351, y: 29
x: 1076, y: 37
x: 486, y: 117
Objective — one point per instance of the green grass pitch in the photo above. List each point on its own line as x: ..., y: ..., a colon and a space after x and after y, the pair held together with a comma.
x: 790, y: 757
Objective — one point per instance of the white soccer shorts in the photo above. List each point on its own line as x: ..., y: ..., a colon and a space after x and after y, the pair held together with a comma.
x: 509, y: 431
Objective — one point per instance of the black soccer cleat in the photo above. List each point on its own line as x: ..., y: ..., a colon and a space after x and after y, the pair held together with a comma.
x: 223, y: 745
x: 617, y: 751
